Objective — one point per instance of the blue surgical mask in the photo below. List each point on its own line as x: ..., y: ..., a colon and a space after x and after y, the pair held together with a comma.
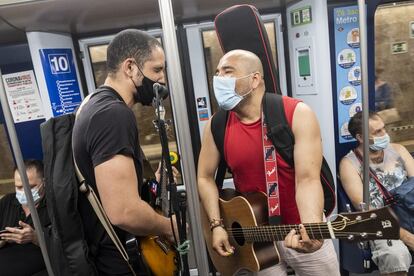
x: 21, y: 196
x: 380, y: 143
x: 225, y: 92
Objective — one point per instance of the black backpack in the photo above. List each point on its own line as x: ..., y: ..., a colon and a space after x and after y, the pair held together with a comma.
x: 283, y: 139
x: 65, y: 239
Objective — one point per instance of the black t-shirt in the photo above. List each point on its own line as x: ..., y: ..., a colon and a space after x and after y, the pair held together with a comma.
x: 105, y: 127
x: 12, y: 261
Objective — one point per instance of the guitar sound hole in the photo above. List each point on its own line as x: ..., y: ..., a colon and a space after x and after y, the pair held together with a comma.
x: 238, y: 233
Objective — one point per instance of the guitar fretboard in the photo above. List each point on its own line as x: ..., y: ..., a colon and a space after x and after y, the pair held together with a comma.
x: 279, y: 232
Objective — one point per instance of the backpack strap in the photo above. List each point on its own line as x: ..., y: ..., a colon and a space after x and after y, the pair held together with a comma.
x: 278, y: 129
x: 218, y: 129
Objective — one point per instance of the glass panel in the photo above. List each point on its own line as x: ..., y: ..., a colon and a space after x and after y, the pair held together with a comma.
x: 148, y: 136
x: 394, y: 69
x: 98, y: 59
x: 213, y: 53
x: 7, y: 164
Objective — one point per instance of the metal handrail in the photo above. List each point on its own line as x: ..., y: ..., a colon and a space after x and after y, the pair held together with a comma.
x: 365, y: 97
x: 183, y: 132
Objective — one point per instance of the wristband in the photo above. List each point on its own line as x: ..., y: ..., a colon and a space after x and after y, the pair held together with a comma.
x: 216, y: 223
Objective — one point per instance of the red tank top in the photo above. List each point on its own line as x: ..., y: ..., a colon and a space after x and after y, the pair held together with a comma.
x: 243, y: 153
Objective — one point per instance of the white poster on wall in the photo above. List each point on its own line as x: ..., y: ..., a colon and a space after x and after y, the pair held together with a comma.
x: 23, y: 96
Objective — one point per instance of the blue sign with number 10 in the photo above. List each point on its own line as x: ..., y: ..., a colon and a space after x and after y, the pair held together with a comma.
x: 62, y: 83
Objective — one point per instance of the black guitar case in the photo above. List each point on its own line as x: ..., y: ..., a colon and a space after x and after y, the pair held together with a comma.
x: 241, y: 27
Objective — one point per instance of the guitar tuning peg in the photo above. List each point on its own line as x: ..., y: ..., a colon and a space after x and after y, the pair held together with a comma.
x: 363, y: 206
x: 348, y: 208
x: 351, y: 237
x: 379, y: 234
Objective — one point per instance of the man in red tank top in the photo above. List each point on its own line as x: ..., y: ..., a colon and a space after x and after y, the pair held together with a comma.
x: 239, y: 87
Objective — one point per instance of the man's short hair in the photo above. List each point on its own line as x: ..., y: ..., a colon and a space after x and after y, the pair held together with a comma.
x: 355, y: 123
x: 130, y: 43
x: 33, y: 164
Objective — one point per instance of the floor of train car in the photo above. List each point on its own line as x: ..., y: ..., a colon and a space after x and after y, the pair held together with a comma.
x: 376, y: 273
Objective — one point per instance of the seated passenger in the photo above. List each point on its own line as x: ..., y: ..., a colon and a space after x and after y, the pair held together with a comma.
x: 19, y: 249
x: 392, y: 164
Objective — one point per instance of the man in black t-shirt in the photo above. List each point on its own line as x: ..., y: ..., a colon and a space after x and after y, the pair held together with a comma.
x: 19, y: 249
x: 106, y: 147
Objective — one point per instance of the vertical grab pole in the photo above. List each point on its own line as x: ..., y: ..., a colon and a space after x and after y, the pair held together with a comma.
x: 22, y: 170
x: 365, y: 96
x: 183, y: 132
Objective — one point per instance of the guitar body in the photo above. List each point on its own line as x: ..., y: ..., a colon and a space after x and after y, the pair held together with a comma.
x: 238, y: 212
x: 245, y: 219
x: 159, y: 256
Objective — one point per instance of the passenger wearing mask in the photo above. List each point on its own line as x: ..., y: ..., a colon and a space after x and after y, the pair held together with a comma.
x: 392, y: 165
x: 20, y: 253
x: 239, y: 87
x: 107, y: 150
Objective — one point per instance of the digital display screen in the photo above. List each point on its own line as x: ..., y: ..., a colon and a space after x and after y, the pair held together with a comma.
x: 304, y: 63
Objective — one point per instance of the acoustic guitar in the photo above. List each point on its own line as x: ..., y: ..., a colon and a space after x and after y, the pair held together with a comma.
x: 245, y: 219
x: 159, y: 254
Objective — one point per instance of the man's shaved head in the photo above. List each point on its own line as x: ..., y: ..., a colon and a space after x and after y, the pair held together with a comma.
x: 246, y: 61
x: 247, y: 70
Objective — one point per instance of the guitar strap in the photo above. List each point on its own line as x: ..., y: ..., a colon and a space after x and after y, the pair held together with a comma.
x: 388, y: 197
x: 272, y: 181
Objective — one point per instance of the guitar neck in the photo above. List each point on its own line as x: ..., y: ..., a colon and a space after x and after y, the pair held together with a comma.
x: 279, y: 232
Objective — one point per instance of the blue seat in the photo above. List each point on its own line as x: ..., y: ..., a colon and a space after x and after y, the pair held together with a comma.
x: 353, y: 258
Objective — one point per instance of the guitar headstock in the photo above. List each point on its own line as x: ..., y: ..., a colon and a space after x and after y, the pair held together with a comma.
x: 374, y: 224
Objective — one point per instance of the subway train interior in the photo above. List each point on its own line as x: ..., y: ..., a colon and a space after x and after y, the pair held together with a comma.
x: 326, y: 53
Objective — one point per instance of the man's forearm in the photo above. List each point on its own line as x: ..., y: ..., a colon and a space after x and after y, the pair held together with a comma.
x: 142, y: 220
x: 407, y: 238
x: 310, y: 202
x: 209, y: 198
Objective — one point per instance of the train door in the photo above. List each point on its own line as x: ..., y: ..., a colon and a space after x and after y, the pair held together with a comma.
x: 205, y: 53
x: 394, y: 69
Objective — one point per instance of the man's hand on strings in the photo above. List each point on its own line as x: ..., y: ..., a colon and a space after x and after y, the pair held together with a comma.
x: 301, y: 241
x: 220, y: 242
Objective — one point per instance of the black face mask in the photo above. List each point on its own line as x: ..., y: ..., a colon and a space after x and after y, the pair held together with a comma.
x: 145, y: 93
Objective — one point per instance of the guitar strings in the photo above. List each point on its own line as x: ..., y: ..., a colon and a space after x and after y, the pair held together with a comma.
x: 283, y: 230
x: 289, y: 227
x: 340, y: 235
x: 280, y: 230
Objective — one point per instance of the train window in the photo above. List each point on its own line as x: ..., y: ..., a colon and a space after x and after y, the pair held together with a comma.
x: 98, y: 60
x: 7, y: 164
x: 394, y: 84
x: 213, y: 53
x: 148, y: 136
